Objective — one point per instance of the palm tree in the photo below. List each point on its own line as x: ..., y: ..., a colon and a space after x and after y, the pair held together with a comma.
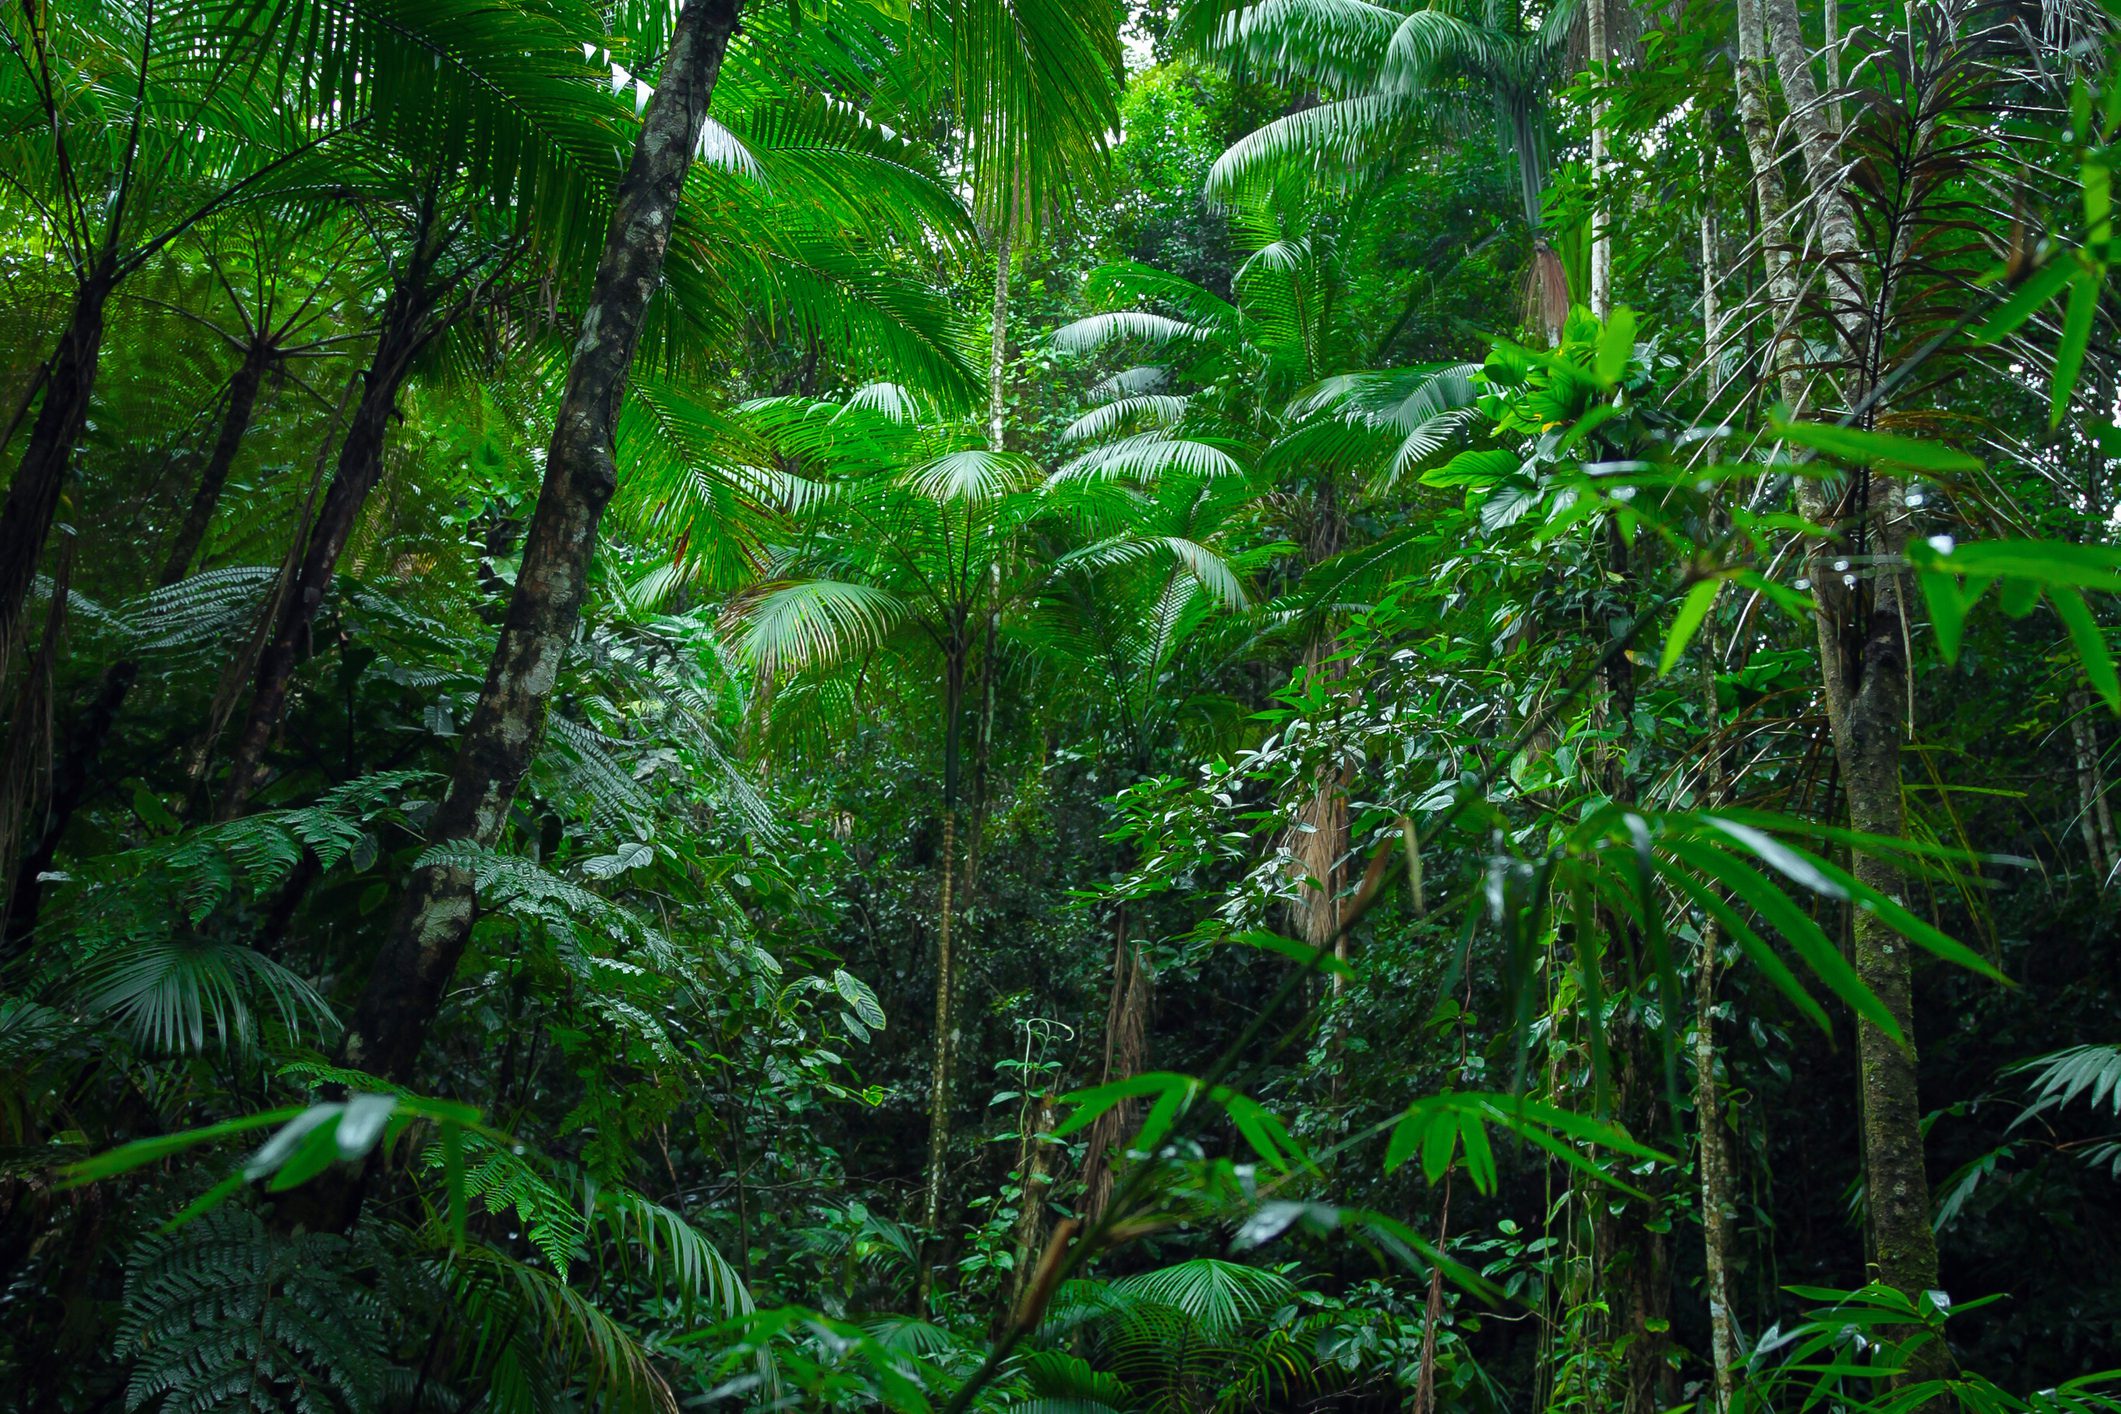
x: 911, y: 536
x: 1146, y: 623
x: 217, y: 104
x: 1386, y: 73
x: 1010, y: 63
x: 1270, y: 377
x: 279, y: 286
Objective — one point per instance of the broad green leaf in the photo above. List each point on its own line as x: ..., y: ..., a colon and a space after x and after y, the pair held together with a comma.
x: 1857, y: 447
x: 1438, y: 1143
x: 2076, y: 337
x: 1755, y: 890
x: 2039, y: 287
x: 1784, y: 859
x: 1089, y: 1104
x: 859, y: 997
x: 1616, y: 345
x: 2091, y: 644
x: 1692, y: 610
x: 1947, y: 608
x: 1322, y: 959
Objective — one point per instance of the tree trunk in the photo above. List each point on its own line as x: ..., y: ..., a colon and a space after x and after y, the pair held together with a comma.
x: 433, y: 924
x: 1599, y: 43
x: 997, y: 429
x: 2095, y: 819
x: 1839, y: 242
x: 77, y: 765
x: 1757, y: 123
x: 1035, y: 1177
x: 1715, y: 1178
x: 30, y: 723
x: 1864, y: 670
x: 998, y: 354
x: 945, y: 965
x: 1126, y: 1052
x: 1715, y: 1162
x: 33, y: 496
x: 403, y: 330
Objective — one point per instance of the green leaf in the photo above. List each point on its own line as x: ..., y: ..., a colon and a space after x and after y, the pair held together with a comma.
x: 2039, y: 287
x: 141, y: 1152
x: 1089, y: 1104
x: 1322, y: 959
x: 1754, y: 889
x: 1947, y: 606
x: 860, y: 997
x: 1616, y: 345
x: 1438, y: 1143
x: 1480, y: 1156
x: 1856, y: 447
x: 1692, y: 610
x: 1784, y: 859
x: 2076, y: 337
x: 2091, y: 644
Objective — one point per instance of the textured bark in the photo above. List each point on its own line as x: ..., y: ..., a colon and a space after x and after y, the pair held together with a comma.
x: 24, y: 771
x: 939, y: 1077
x: 1715, y: 1180
x: 427, y: 939
x: 1840, y: 244
x: 1715, y: 1162
x: 998, y: 354
x: 1758, y: 125
x: 1864, y: 670
x: 402, y: 332
x: 84, y: 747
x: 1126, y: 1053
x: 1317, y: 840
x: 1595, y: 18
x: 2095, y: 819
x: 33, y: 495
x: 937, y: 1172
x: 1035, y: 1169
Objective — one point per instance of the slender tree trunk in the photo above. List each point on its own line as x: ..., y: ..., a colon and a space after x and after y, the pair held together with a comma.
x: 25, y: 760
x: 433, y: 924
x: 1126, y: 1052
x: 1864, y: 668
x: 1757, y: 123
x: 998, y: 354
x: 1600, y: 44
x: 997, y: 430
x: 1840, y: 242
x: 1035, y: 1173
x: 2095, y: 819
x: 945, y: 966
x: 33, y: 495
x: 1866, y: 695
x: 1715, y: 1163
x: 77, y: 764
x: 404, y: 328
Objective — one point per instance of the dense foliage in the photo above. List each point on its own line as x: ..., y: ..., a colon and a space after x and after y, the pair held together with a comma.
x: 1057, y: 706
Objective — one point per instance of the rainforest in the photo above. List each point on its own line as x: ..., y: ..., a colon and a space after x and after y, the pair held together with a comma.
x: 1062, y: 706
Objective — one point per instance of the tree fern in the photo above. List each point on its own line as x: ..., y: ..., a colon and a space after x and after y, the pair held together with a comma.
x: 223, y: 1315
